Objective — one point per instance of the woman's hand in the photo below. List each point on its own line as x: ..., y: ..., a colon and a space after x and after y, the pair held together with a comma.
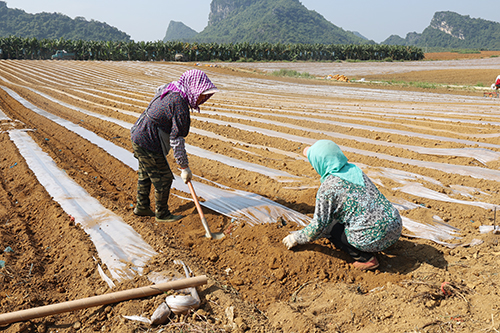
x: 186, y: 175
x: 290, y: 241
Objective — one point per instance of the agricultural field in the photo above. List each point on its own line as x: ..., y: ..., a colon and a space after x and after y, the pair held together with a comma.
x: 68, y: 182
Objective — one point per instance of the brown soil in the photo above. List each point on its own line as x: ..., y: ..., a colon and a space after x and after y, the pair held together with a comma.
x: 460, y: 56
x: 421, y: 286
x: 441, y: 78
x: 452, y: 77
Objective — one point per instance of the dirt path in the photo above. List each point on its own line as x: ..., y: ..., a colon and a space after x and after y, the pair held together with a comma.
x: 267, y: 122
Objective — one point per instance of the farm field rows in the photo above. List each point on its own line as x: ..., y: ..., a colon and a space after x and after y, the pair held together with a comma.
x: 459, y: 63
x: 434, y: 154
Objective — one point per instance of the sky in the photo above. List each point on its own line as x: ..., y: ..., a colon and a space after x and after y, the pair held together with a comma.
x: 148, y: 20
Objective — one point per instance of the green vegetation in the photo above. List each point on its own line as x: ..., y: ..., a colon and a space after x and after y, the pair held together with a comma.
x: 426, y: 85
x: 394, y: 40
x: 32, y: 48
x: 449, y: 30
x: 16, y: 22
x: 271, y: 21
x: 292, y: 73
x: 245, y: 60
x: 466, y: 51
x: 423, y: 85
x: 452, y: 50
x: 239, y: 26
x: 178, y: 31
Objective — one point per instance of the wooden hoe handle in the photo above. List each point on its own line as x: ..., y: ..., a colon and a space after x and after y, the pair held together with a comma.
x: 115, y: 297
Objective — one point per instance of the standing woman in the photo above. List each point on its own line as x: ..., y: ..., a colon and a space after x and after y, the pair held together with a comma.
x: 350, y: 211
x: 164, y: 125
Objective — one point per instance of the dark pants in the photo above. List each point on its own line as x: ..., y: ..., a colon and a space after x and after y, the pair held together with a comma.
x: 339, y: 239
x: 153, y: 169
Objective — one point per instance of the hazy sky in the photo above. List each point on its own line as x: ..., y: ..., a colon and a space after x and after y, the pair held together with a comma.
x: 147, y: 20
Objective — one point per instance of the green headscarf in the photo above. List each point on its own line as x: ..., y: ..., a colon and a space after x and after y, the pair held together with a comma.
x: 327, y: 159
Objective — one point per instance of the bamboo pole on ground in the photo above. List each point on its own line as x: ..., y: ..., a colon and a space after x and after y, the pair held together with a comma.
x: 47, y: 310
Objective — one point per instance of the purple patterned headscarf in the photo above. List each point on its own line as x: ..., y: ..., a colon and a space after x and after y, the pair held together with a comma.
x: 191, y: 85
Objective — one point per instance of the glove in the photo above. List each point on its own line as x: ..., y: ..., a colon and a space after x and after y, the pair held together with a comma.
x: 186, y: 175
x: 290, y: 241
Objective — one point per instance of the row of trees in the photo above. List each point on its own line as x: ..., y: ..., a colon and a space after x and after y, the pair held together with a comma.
x: 31, y: 48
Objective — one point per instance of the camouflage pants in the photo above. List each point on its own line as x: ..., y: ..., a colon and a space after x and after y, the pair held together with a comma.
x: 153, y: 169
